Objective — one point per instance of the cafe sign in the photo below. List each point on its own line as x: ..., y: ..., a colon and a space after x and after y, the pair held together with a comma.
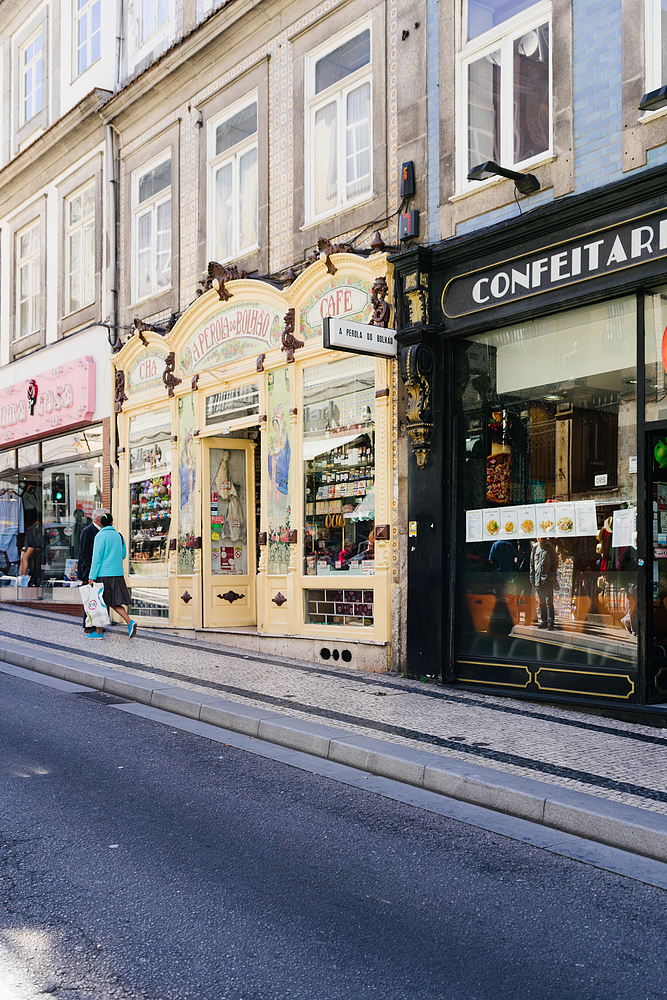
x: 349, y: 297
x: 597, y: 254
x: 49, y: 402
x: 232, y: 332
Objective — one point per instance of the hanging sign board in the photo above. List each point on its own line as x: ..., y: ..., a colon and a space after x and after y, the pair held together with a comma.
x: 358, y: 338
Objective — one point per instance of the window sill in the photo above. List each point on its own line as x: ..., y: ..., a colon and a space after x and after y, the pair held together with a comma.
x: 651, y: 116
x: 492, y: 181
x: 337, y: 213
x: 151, y: 295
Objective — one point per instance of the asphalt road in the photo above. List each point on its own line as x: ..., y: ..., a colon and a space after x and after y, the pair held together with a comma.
x: 141, y: 861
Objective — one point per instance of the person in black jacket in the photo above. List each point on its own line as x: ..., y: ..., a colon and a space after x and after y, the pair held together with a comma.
x: 86, y: 542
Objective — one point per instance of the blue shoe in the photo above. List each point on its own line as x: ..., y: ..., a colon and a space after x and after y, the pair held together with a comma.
x: 95, y: 635
x: 131, y: 629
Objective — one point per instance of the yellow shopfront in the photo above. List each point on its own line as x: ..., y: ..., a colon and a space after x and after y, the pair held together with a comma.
x: 255, y: 468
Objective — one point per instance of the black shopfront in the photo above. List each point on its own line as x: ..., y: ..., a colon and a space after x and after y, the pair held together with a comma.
x: 534, y: 355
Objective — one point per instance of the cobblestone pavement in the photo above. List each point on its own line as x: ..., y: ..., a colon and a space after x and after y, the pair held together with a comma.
x: 615, y: 760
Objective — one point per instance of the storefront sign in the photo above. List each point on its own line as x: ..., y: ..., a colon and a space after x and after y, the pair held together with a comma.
x: 594, y: 255
x: 146, y: 371
x: 231, y: 333
x: 359, y: 338
x: 349, y: 297
x: 56, y: 399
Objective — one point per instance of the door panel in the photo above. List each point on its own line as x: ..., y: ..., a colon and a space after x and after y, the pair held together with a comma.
x: 228, y: 549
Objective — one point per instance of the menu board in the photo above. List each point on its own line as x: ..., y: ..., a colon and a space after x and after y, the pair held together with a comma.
x: 509, y: 526
x: 491, y: 524
x: 526, y: 518
x: 545, y: 518
x: 623, y: 528
x: 585, y: 518
x: 563, y: 519
x: 474, y: 525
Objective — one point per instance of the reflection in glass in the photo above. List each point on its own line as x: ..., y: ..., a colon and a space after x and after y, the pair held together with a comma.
x: 229, y: 548
x: 548, y: 416
x: 150, y: 492
x: 531, y: 93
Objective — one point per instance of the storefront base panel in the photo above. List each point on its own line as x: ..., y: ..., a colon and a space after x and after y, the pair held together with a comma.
x: 373, y: 657
x: 56, y: 607
x: 548, y: 681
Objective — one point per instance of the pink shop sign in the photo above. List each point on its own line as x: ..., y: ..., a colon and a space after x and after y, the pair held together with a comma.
x: 48, y: 403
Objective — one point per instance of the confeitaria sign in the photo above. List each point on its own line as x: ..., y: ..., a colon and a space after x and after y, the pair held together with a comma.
x: 56, y: 399
x: 574, y: 261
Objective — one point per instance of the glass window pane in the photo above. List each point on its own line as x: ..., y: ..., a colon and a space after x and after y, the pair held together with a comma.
x: 88, y: 244
x: 75, y: 210
x: 531, y: 93
x: 88, y: 200
x: 224, y: 219
x: 147, y: 18
x: 248, y: 199
x: 83, y: 39
x: 150, y: 492
x: 164, y: 244
x: 237, y: 128
x: 342, y: 61
x: 155, y: 180
x: 358, y: 146
x: 484, y: 109
x: 663, y: 41
x: 339, y: 477
x: 162, y: 12
x: 144, y: 270
x: 482, y: 15
x: 229, y: 547
x: 548, y: 429
x: 325, y: 156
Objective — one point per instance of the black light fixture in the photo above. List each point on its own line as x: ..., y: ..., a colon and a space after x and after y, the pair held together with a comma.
x: 654, y: 99
x: 524, y: 183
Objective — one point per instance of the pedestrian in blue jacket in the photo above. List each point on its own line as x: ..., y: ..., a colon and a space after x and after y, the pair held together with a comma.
x: 107, y: 568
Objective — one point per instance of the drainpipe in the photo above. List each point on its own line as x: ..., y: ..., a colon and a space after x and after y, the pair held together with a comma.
x: 119, y: 45
x: 112, y: 310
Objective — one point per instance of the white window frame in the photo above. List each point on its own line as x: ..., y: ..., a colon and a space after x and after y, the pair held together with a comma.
x: 70, y: 230
x: 34, y: 285
x: 232, y: 156
x: 501, y: 37
x: 139, y: 209
x: 314, y: 102
x: 23, y: 74
x: 78, y: 14
x: 144, y: 35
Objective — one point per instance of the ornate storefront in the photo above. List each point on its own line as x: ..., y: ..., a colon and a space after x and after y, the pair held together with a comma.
x: 255, y: 466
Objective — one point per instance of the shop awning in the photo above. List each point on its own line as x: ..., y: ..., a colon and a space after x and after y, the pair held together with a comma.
x: 311, y: 449
x: 366, y: 509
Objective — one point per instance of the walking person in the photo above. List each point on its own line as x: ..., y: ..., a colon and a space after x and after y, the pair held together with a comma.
x: 543, y: 576
x: 86, y: 542
x: 107, y: 568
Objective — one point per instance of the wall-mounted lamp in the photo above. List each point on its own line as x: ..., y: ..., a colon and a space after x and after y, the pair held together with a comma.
x: 524, y: 183
x: 654, y: 99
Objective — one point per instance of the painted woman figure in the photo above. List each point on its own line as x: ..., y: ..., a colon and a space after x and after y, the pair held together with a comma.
x: 279, y: 460
x: 186, y: 472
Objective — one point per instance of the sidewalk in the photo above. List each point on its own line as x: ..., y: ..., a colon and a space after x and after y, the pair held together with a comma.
x: 599, y: 778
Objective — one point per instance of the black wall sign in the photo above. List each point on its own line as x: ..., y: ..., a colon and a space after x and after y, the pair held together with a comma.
x: 598, y: 253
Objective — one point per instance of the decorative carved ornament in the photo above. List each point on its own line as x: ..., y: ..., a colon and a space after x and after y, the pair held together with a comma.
x: 382, y: 532
x: 289, y: 342
x: 195, y: 382
x: 381, y: 309
x: 230, y: 596
x: 119, y: 394
x: 260, y: 362
x: 279, y: 599
x: 172, y: 544
x: 416, y: 372
x: 327, y: 247
x: 168, y: 376
x: 415, y: 294
x: 261, y: 537
x: 138, y: 326
x: 186, y: 597
x: 216, y: 277
x: 292, y: 536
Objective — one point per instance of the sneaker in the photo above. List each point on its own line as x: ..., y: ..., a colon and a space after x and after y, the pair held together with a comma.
x: 131, y: 629
x: 95, y: 635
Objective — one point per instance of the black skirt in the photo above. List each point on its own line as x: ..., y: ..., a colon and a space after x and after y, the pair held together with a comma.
x: 115, y: 591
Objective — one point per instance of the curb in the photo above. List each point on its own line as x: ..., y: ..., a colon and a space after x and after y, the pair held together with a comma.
x: 627, y: 828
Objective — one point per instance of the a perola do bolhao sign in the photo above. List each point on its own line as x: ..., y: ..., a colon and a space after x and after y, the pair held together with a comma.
x: 60, y: 398
x: 231, y: 333
x: 571, y: 262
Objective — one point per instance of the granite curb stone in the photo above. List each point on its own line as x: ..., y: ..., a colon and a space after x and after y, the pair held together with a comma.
x: 613, y: 823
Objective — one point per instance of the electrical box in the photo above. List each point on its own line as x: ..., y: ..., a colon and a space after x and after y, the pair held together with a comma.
x: 407, y: 179
x: 408, y: 225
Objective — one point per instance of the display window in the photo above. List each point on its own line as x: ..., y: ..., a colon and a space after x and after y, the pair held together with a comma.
x: 339, y: 482
x: 546, y: 467
x: 150, y: 492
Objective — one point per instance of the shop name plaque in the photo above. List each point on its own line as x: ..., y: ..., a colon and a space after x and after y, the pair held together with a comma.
x: 594, y: 255
x: 359, y: 338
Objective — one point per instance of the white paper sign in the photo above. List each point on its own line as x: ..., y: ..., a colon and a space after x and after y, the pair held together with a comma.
x: 491, y: 523
x: 526, y: 519
x: 473, y: 526
x: 545, y: 518
x: 585, y: 517
x: 509, y: 524
x: 565, y: 519
x: 623, y: 528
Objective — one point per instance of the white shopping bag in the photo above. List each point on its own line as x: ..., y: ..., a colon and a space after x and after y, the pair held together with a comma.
x: 92, y: 598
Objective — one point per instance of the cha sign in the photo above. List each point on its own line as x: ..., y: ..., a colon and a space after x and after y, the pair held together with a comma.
x: 358, y: 338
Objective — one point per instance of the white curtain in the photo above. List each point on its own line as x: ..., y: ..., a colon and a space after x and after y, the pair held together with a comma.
x: 223, y: 212
x: 483, y: 109
x: 144, y: 231
x: 248, y: 199
x: 324, y: 152
x: 358, y: 145
x: 164, y: 243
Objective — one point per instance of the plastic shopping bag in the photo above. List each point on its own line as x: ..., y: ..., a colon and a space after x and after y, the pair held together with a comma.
x: 92, y: 597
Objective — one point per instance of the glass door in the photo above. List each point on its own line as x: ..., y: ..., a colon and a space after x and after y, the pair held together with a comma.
x: 229, y: 540
x: 656, y: 587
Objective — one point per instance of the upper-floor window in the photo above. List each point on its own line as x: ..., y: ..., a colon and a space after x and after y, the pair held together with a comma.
x: 233, y: 182
x: 31, y: 77
x: 656, y: 44
x: 339, y: 123
x: 154, y: 13
x: 504, y: 84
x: 151, y: 235
x: 27, y: 280
x: 80, y: 248
x: 87, y: 27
